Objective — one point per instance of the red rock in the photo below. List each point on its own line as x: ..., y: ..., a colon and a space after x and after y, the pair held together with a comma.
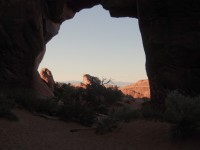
x: 139, y: 89
x: 47, y: 77
x: 170, y: 32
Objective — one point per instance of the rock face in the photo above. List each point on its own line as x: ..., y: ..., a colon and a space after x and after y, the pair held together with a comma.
x: 47, y: 77
x: 121, y: 8
x: 171, y: 37
x: 139, y: 89
x: 25, y: 28
x: 170, y: 31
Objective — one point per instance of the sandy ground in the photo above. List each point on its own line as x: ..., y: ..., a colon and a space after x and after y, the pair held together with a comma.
x: 37, y: 133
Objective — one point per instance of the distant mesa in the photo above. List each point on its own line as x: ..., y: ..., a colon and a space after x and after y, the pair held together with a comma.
x: 139, y: 89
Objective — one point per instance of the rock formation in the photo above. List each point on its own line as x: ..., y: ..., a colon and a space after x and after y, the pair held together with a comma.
x: 139, y: 89
x: 26, y: 26
x: 47, y: 77
x: 171, y: 38
x: 88, y: 79
x: 170, y: 31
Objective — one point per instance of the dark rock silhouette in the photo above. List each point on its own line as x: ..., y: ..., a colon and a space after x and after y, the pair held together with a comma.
x: 170, y: 31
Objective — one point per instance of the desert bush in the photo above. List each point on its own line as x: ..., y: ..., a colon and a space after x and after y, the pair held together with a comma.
x: 78, y: 111
x: 25, y: 99
x: 184, y: 113
x: 98, y: 87
x: 78, y: 104
x: 46, y: 106
x: 31, y: 101
x: 94, y: 96
x: 64, y: 91
x: 146, y: 100
x: 125, y: 114
x: 83, y: 105
x: 149, y: 113
x: 128, y: 99
x: 113, y: 95
x: 107, y: 124
x: 115, y: 117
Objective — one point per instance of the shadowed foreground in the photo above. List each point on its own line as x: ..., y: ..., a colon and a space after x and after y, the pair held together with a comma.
x: 37, y: 133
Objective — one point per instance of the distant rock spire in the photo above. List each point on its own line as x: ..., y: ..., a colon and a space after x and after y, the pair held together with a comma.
x: 47, y: 77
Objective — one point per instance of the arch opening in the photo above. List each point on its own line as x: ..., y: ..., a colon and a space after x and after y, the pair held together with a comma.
x: 94, y: 43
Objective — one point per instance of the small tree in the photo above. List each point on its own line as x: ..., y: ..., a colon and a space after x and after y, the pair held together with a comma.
x: 184, y: 113
x: 84, y: 104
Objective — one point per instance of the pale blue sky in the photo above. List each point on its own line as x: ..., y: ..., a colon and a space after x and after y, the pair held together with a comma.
x: 94, y: 43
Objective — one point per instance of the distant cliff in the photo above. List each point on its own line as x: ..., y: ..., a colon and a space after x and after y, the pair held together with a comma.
x: 139, y: 89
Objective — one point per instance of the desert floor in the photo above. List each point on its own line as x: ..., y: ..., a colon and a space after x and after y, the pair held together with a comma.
x: 37, y: 133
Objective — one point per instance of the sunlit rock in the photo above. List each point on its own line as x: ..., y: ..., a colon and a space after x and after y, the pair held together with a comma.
x: 47, y: 77
x: 139, y: 89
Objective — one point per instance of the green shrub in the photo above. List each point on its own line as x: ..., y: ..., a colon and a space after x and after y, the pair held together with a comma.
x: 184, y: 113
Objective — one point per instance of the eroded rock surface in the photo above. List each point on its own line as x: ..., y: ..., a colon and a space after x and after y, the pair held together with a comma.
x: 171, y: 37
x: 25, y: 28
x: 170, y: 31
x: 139, y: 89
x: 47, y: 77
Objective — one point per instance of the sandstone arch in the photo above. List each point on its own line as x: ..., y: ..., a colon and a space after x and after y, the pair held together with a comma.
x: 170, y: 32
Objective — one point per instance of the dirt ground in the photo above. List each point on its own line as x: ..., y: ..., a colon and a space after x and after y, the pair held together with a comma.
x: 38, y: 133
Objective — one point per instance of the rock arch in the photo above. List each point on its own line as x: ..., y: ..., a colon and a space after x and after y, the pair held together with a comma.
x: 170, y: 31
